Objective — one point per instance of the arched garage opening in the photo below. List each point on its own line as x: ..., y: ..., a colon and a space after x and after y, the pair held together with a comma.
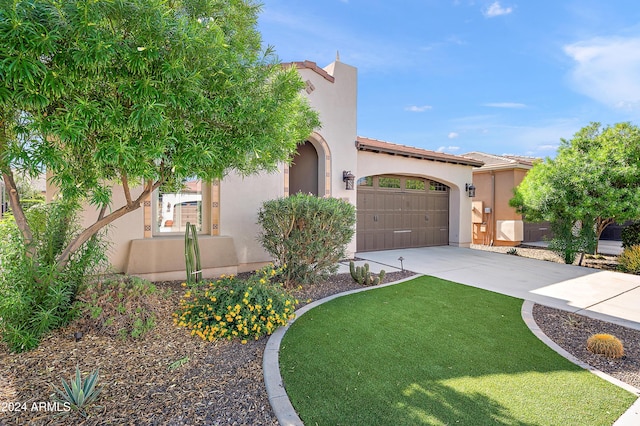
x: 401, y: 211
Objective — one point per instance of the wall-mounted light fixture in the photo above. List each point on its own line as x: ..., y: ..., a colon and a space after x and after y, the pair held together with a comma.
x: 471, y: 190
x: 348, y: 178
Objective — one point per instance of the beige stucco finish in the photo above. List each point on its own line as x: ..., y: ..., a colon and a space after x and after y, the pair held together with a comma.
x: 234, y: 246
x: 502, y: 225
x: 163, y: 258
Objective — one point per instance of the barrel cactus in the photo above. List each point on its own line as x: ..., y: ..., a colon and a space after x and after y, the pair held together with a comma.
x: 605, y: 344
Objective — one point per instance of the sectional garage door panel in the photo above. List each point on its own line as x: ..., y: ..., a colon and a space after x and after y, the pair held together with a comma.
x: 414, y: 212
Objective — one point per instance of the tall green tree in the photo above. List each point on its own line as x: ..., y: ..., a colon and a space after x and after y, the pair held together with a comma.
x: 139, y: 94
x: 592, y: 182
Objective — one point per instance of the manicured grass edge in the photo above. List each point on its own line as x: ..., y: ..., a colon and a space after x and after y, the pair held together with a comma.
x: 278, y: 398
x: 287, y: 415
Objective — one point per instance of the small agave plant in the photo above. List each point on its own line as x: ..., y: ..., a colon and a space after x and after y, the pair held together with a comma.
x: 78, y: 394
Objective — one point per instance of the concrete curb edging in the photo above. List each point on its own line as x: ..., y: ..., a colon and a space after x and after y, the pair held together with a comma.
x: 632, y: 415
x: 278, y: 398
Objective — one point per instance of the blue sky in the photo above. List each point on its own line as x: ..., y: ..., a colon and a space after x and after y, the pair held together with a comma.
x: 504, y: 77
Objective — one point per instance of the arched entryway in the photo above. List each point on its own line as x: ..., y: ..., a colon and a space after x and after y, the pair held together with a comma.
x: 400, y: 212
x: 310, y: 172
x: 303, y: 172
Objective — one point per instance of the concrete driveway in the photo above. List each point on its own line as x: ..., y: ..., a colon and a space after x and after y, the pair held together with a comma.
x: 606, y: 295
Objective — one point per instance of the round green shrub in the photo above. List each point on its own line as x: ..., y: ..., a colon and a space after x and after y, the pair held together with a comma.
x: 306, y: 235
x: 234, y: 308
x: 629, y: 260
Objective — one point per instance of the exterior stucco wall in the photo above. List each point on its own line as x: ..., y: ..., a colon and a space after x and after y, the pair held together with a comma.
x: 494, y: 189
x: 505, y: 182
x: 333, y: 93
x: 454, y: 176
x: 121, y: 231
x: 336, y: 103
x: 241, y: 198
x: 240, y: 201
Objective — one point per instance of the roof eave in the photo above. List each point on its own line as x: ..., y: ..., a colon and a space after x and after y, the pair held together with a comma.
x: 363, y: 146
x: 505, y: 166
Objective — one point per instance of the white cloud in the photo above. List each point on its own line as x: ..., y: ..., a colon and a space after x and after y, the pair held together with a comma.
x: 490, y: 133
x: 504, y: 105
x: 607, y: 69
x: 415, y: 108
x: 547, y: 147
x: 453, y: 135
x: 495, y: 9
x: 448, y: 148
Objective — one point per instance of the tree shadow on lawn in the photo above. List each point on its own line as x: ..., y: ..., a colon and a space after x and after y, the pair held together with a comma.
x: 429, y: 351
x: 439, y: 404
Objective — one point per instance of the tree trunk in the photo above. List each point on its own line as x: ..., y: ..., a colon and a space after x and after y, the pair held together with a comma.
x: 601, y: 225
x: 18, y: 212
x: 87, y: 233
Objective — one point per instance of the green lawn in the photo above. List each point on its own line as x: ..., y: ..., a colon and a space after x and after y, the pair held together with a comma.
x: 429, y: 351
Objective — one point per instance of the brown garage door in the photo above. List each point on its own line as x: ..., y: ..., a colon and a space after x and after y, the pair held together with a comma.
x: 400, y: 212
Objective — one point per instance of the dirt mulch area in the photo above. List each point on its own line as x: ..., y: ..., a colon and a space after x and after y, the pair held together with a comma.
x: 219, y: 383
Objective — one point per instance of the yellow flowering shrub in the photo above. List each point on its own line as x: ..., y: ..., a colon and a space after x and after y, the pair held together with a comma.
x: 629, y: 260
x: 234, y: 308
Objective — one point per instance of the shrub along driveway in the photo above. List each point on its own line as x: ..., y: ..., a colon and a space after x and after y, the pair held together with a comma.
x: 429, y: 351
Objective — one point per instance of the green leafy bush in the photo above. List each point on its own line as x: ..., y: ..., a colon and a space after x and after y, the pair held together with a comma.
x: 569, y: 239
x: 36, y: 296
x: 30, y: 202
x: 306, y: 235
x: 234, y: 308
x: 629, y: 260
x: 119, y: 307
x: 631, y: 235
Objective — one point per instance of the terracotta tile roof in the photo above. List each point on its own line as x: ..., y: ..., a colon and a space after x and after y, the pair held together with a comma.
x: 374, y: 145
x: 311, y: 66
x: 502, y: 161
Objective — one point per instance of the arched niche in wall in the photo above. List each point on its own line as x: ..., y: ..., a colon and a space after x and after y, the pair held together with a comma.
x: 310, y: 171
